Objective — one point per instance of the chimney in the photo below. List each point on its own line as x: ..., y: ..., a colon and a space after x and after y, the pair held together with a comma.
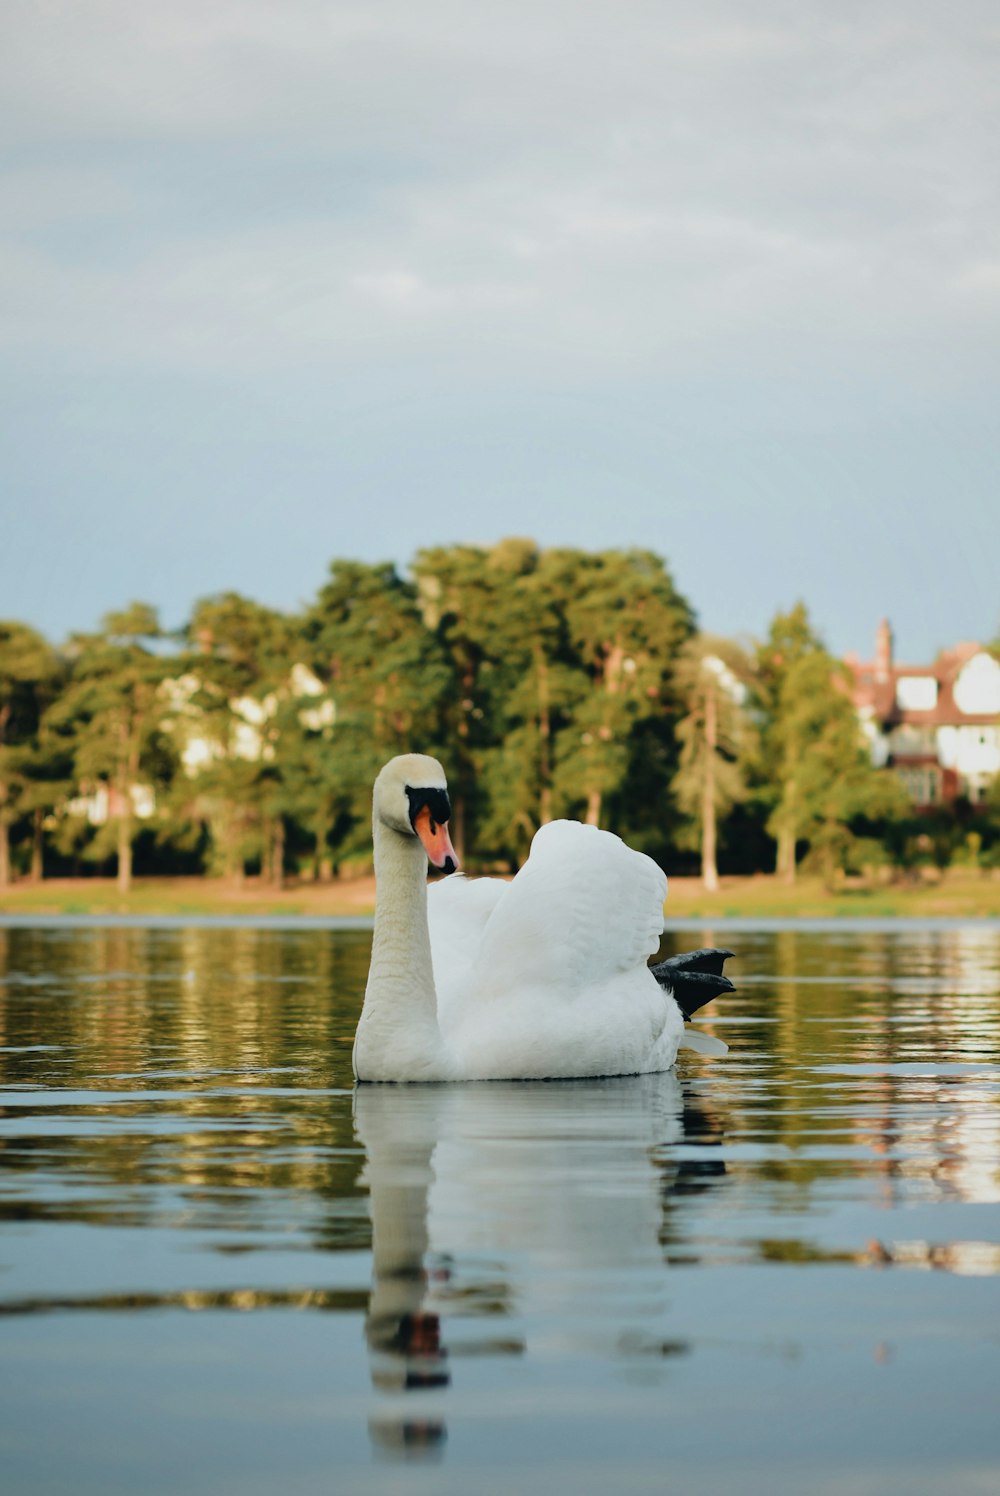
x: 883, y: 651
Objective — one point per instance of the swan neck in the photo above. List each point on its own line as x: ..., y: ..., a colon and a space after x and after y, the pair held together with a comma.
x: 398, y: 1035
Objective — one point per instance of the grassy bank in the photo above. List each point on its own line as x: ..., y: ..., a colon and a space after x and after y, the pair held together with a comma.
x: 958, y: 893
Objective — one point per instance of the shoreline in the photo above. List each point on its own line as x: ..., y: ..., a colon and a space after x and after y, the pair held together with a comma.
x: 364, y: 924
x: 958, y: 894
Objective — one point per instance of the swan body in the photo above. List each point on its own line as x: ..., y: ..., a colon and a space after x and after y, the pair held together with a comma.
x: 544, y: 977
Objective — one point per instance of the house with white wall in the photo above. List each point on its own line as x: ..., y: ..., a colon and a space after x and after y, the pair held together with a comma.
x: 936, y: 726
x: 203, y: 739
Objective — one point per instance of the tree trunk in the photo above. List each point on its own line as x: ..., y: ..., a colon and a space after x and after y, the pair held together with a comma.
x: 786, y: 853
x: 322, y: 861
x: 458, y: 826
x: 459, y: 801
x: 232, y: 860
x: 4, y: 828
x: 128, y: 773
x: 37, y: 846
x: 709, y: 869
x: 278, y: 852
x: 124, y: 853
x: 545, y: 739
x: 594, y: 808
x: 235, y: 869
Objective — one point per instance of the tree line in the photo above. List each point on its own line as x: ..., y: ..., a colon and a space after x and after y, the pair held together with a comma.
x: 550, y: 682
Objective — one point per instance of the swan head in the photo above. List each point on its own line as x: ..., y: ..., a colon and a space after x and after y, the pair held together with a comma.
x: 411, y: 797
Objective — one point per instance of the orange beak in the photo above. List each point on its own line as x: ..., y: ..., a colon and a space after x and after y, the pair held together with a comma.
x: 436, y: 840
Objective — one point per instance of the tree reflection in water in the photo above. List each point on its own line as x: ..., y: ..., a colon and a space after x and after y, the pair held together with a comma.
x: 576, y: 1278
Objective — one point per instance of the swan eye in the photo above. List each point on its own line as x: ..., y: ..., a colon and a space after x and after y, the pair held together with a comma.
x: 434, y: 801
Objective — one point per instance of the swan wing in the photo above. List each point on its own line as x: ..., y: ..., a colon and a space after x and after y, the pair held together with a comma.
x: 458, y: 909
x: 583, y: 910
x: 560, y: 985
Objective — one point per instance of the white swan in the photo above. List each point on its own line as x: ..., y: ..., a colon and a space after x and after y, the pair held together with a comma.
x: 539, y: 978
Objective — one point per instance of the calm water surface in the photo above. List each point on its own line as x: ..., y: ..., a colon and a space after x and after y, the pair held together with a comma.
x: 222, y: 1271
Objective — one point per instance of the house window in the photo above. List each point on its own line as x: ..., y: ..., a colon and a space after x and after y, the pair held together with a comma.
x: 977, y: 688
x: 916, y: 693
x: 920, y: 784
x: 907, y: 741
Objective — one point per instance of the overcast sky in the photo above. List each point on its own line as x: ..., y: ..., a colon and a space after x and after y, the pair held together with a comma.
x: 289, y: 279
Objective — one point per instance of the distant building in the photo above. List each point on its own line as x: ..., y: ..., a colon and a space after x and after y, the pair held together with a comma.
x: 98, y: 803
x: 243, y: 733
x: 204, y: 739
x: 936, y: 726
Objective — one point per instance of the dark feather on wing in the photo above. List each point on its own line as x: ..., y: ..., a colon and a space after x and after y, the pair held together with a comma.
x: 694, y: 977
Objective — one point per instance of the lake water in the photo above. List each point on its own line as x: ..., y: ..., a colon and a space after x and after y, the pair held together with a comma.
x: 223, y: 1271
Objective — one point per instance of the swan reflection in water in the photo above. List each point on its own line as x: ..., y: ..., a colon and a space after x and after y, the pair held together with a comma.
x: 516, y: 1201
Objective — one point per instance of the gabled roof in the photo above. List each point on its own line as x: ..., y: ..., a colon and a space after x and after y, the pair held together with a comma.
x: 875, y: 687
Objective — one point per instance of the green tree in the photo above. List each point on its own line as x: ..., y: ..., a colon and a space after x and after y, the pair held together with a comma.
x: 388, y: 680
x: 715, y: 735
x: 466, y: 596
x: 626, y: 623
x: 559, y: 658
x: 312, y: 790
x: 498, y: 613
x: 534, y: 681
x: 111, y: 712
x: 225, y: 715
x: 825, y: 776
x: 42, y: 772
x: 790, y: 639
x: 28, y: 668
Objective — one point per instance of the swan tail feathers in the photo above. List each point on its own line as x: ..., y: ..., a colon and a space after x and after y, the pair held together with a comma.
x: 704, y: 1044
x: 694, y: 978
x: 708, y: 958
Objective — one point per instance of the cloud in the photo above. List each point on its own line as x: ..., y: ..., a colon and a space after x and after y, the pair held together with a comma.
x: 983, y: 275
x: 577, y: 187
x: 708, y: 204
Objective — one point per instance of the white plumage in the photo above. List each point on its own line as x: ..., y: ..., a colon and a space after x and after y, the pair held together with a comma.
x: 543, y: 977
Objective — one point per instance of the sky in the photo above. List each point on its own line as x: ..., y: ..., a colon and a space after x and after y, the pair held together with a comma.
x: 281, y: 282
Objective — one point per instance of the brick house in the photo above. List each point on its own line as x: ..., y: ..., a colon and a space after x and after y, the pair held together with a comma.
x: 937, y: 726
